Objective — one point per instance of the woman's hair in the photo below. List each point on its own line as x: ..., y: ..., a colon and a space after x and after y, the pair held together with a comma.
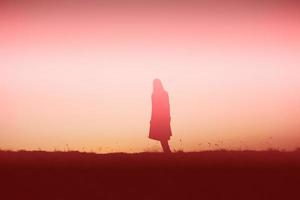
x: 157, y: 86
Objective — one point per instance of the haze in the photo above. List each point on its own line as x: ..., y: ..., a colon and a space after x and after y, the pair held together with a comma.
x: 79, y: 76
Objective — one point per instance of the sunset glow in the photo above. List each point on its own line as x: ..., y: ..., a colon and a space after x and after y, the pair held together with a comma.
x: 79, y: 77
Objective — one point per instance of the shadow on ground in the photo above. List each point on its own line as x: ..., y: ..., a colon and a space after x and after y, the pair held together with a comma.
x: 205, y: 175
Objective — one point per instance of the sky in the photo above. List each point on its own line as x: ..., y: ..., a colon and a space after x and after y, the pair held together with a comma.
x: 78, y: 76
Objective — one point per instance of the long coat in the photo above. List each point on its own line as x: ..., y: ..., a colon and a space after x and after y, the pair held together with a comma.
x: 160, y: 128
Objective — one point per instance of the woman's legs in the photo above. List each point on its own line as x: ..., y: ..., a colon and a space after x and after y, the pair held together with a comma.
x: 165, y: 146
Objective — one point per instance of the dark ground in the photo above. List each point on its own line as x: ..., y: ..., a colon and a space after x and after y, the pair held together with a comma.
x: 206, y: 175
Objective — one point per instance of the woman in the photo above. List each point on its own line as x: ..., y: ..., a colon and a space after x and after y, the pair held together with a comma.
x: 160, y: 128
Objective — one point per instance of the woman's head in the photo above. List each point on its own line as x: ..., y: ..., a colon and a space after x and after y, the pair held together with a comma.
x: 157, y: 86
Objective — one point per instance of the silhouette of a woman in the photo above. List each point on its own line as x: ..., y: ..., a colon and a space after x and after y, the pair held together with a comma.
x: 160, y: 128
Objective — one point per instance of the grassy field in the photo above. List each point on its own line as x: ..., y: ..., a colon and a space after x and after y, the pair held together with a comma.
x: 204, y: 175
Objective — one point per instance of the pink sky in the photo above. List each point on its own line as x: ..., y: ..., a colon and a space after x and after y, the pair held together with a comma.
x: 81, y: 74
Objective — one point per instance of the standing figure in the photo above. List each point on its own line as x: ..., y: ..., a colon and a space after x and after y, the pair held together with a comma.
x: 160, y: 128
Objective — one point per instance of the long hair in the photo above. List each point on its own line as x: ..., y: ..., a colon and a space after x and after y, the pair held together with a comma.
x: 157, y: 86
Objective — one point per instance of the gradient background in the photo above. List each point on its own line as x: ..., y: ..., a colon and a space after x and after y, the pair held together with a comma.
x: 78, y: 76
